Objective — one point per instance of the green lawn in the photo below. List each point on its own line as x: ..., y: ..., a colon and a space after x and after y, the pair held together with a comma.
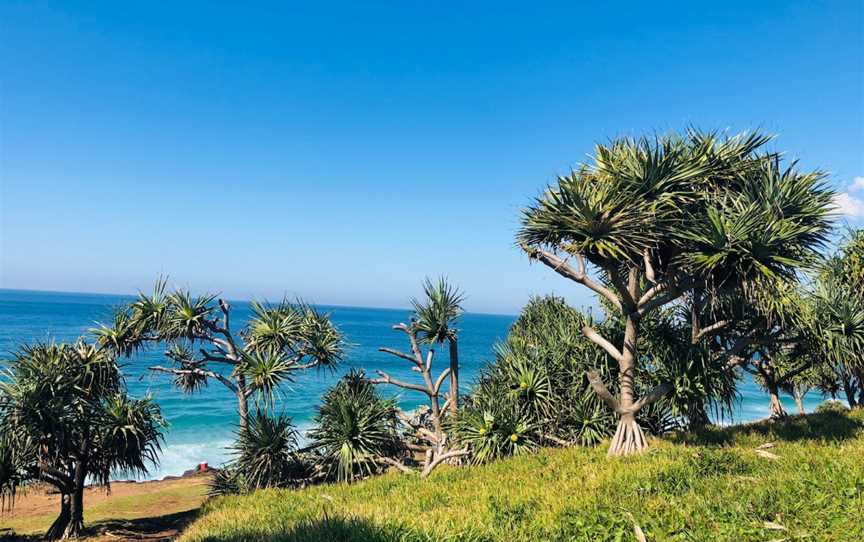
x: 714, y: 486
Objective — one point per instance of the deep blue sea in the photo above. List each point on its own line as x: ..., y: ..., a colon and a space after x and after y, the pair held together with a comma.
x: 202, y: 425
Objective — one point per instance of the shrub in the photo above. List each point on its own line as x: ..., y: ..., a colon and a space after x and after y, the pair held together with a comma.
x: 538, y: 382
x: 265, y: 456
x: 355, y: 429
x: 831, y: 406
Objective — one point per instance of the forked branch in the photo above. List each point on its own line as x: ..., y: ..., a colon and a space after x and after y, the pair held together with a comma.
x: 579, y: 274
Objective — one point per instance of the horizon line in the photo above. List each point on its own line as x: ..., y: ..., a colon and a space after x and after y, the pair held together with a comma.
x: 335, y: 305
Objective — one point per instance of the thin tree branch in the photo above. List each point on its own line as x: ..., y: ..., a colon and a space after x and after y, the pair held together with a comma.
x: 712, y: 329
x: 652, y: 396
x: 580, y: 275
x: 649, y: 268
x: 440, y: 381
x: 218, y: 359
x: 602, y: 391
x: 623, y: 289
x: 387, y: 379
x: 427, y: 470
x: 394, y: 463
x: 592, y: 335
x: 398, y: 354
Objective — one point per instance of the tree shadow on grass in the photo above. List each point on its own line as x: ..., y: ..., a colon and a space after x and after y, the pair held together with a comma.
x: 828, y: 426
x: 325, y: 530
x: 152, y: 529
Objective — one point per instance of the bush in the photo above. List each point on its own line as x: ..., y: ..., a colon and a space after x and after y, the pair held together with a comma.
x: 265, y: 456
x: 537, y: 388
x: 355, y: 429
x: 832, y: 406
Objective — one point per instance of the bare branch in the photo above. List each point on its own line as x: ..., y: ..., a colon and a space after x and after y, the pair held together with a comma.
x: 430, y: 437
x: 623, y: 289
x: 397, y: 354
x: 649, y: 268
x: 440, y: 381
x: 218, y: 359
x: 429, y: 354
x: 446, y: 406
x: 712, y: 329
x: 561, y: 267
x: 652, y: 396
x: 387, y: 379
x: 592, y: 335
x: 394, y: 463
x: 602, y: 391
x: 430, y: 466
x: 649, y: 300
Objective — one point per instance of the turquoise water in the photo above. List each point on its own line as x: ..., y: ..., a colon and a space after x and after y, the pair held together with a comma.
x: 201, y: 425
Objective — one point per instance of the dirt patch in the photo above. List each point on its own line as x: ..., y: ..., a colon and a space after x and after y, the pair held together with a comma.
x: 155, y: 510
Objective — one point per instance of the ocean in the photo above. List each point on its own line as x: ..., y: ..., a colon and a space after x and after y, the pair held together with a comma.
x: 202, y: 425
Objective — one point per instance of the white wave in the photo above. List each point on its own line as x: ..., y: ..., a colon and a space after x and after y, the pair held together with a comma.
x: 178, y: 458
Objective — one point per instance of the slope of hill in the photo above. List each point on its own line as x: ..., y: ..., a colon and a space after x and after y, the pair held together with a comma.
x: 802, y: 479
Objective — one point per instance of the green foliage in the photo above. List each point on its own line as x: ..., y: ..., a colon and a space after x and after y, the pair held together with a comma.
x: 354, y: 429
x: 709, y: 206
x: 277, y: 341
x: 438, y: 311
x: 265, y: 455
x: 831, y: 406
x: 538, y: 384
x: 716, y: 488
x: 495, y: 434
x: 65, y: 419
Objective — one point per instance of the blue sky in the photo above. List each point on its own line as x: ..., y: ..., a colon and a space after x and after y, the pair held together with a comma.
x: 344, y: 151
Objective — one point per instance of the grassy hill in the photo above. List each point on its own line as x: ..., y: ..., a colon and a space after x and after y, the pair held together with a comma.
x: 806, y: 482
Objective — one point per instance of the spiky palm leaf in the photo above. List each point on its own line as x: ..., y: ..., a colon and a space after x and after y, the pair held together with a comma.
x: 265, y: 453
x: 437, y: 313
x: 354, y: 428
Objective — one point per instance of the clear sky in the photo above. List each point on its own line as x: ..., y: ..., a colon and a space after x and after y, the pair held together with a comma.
x: 344, y: 151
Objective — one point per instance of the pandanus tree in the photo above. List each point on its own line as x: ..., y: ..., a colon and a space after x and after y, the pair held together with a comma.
x: 841, y: 307
x: 278, y: 341
x: 840, y: 328
x: 651, y: 220
x: 355, y: 433
x: 437, y: 316
x: 66, y: 420
x: 431, y: 324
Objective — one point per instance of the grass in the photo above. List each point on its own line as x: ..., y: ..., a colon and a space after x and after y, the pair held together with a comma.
x: 711, y: 486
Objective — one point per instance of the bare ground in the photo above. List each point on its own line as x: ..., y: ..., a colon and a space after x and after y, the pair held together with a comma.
x: 151, y: 511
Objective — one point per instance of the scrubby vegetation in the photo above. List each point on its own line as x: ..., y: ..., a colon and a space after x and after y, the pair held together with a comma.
x: 66, y: 420
x: 802, y: 478
x: 707, y: 257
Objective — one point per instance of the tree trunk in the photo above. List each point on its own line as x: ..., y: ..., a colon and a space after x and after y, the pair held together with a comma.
x: 849, y: 390
x: 860, y: 378
x: 242, y: 403
x: 454, y: 376
x: 799, y: 401
x: 777, y: 411
x: 629, y: 438
x: 58, y: 528
x: 699, y: 418
x: 76, y: 513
